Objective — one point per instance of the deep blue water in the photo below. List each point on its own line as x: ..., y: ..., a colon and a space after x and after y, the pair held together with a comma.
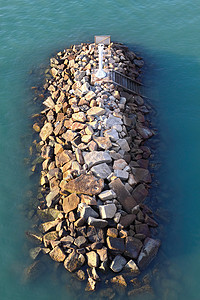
x: 166, y: 34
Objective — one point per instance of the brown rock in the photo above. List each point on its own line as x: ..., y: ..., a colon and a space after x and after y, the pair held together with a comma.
x: 57, y: 254
x: 84, y: 184
x: 79, y: 116
x: 76, y: 126
x: 127, y: 220
x: 88, y: 200
x: 46, y: 131
x: 103, y: 142
x: 64, y: 157
x: 36, y: 127
x: 142, y: 229
x: 123, y: 196
x: 140, y: 193
x: 70, y: 203
x: 50, y: 236
x: 74, y: 261
x: 141, y: 175
x: 96, y: 111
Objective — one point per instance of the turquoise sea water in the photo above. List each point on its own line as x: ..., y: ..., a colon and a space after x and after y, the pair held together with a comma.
x: 166, y: 34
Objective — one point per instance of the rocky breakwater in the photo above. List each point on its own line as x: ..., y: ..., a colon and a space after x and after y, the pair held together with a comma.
x: 95, y: 174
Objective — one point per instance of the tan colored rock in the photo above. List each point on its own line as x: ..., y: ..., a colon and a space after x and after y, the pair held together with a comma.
x: 103, y: 142
x: 64, y: 157
x: 90, y: 95
x: 70, y: 203
x: 50, y: 236
x: 88, y: 200
x: 76, y: 126
x: 57, y: 254
x: 79, y: 116
x: 86, y: 138
x: 96, y: 111
x: 93, y: 259
x: 84, y: 184
x: 46, y: 131
x: 119, y: 164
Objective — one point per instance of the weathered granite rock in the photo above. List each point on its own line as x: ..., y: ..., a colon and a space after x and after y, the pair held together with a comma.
x: 86, y: 211
x: 46, y: 131
x: 107, y: 211
x: 80, y: 241
x: 74, y: 261
x: 92, y: 259
x: 52, y: 197
x: 123, y: 144
x: 84, y: 184
x: 107, y: 195
x: 97, y: 222
x: 118, y: 263
x: 148, y: 252
x: 50, y: 236
x: 44, y: 227
x: 112, y: 134
x: 119, y: 164
x: 111, y: 121
x: 70, y: 203
x: 103, y: 142
x: 127, y: 220
x: 123, y: 196
x: 101, y: 170
x: 116, y: 244
x: 96, y: 111
x: 123, y: 175
x: 132, y: 247
x: 96, y: 157
x: 57, y: 254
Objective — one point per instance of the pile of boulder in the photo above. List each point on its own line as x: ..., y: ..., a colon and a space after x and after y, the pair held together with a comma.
x: 95, y: 174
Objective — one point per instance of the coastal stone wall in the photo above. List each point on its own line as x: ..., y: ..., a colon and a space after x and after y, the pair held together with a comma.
x: 95, y: 174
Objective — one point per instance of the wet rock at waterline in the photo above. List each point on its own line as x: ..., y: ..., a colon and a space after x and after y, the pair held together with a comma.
x: 95, y: 175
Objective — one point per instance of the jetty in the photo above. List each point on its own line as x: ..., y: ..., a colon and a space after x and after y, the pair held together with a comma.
x: 94, y: 171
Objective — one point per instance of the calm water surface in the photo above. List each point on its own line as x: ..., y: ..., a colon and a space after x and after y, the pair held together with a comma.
x: 166, y: 34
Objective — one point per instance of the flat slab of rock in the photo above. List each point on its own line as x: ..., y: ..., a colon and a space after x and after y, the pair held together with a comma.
x: 93, y: 259
x: 74, y: 261
x: 127, y: 220
x: 123, y: 196
x: 96, y: 111
x: 132, y: 247
x: 140, y: 193
x: 70, y: 203
x: 118, y: 263
x: 123, y: 175
x: 123, y: 144
x: 103, y: 142
x: 96, y: 158
x: 141, y: 175
x: 84, y: 184
x: 107, y: 211
x: 97, y: 222
x: 46, y: 131
x: 107, y: 195
x: 116, y: 244
x: 111, y: 121
x: 57, y: 254
x: 101, y: 170
x: 148, y: 252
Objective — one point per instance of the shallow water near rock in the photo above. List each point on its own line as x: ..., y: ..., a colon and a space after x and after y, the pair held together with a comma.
x: 165, y: 34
